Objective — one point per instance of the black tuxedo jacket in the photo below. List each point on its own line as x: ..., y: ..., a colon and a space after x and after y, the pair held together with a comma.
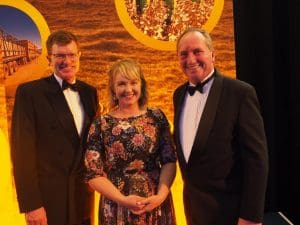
x: 226, y: 174
x: 47, y: 151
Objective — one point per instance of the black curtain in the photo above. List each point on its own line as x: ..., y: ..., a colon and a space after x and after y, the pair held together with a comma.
x: 267, y: 41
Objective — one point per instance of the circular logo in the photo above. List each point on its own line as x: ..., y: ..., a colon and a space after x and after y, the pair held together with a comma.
x: 158, y: 23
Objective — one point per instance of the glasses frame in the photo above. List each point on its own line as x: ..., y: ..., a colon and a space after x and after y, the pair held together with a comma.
x: 64, y: 56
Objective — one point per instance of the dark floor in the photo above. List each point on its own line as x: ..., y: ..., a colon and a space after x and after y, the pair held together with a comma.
x: 276, y: 218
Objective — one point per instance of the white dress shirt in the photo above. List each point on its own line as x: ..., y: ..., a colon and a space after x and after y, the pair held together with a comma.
x: 75, y: 105
x: 190, y: 117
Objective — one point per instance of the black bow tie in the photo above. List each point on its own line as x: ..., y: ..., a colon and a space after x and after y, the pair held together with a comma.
x: 198, y: 87
x: 193, y: 89
x: 66, y: 85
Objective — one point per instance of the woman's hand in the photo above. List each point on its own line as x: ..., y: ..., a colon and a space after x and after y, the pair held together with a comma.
x: 149, y: 204
x: 133, y: 203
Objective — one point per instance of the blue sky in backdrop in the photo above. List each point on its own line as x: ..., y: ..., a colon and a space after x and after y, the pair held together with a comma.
x: 17, y: 23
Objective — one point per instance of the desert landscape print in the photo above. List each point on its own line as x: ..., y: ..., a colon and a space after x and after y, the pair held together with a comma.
x: 104, y: 40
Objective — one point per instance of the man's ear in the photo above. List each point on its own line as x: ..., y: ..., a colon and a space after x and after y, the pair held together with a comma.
x: 213, y: 56
x: 49, y: 59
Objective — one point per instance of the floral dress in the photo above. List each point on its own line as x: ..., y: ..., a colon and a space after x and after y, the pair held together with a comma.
x: 130, y: 153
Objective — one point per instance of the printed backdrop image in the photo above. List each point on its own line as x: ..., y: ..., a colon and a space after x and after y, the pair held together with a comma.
x: 109, y: 30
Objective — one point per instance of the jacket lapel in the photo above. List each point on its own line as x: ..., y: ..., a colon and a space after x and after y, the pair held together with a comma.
x: 178, y: 109
x: 208, y: 116
x: 85, y: 99
x: 61, y: 108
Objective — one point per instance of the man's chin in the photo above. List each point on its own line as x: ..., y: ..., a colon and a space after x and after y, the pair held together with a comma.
x: 68, y: 76
x: 195, y: 76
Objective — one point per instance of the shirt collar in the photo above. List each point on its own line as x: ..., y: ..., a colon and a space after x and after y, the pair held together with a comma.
x: 60, y: 80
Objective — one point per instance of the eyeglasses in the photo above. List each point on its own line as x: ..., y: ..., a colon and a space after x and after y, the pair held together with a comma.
x: 60, y: 56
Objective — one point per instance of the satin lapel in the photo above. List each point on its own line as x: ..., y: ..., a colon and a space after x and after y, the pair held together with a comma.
x: 179, y: 104
x: 208, y: 116
x: 61, y: 108
x: 85, y: 99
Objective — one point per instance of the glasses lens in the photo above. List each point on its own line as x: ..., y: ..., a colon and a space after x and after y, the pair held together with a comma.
x: 71, y: 56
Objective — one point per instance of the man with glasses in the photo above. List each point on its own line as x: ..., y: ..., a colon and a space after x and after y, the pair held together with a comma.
x: 50, y: 121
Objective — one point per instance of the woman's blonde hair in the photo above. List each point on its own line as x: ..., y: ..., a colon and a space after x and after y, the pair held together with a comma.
x: 131, y: 70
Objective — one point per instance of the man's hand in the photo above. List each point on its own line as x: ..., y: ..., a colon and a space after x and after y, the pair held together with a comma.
x: 36, y: 217
x: 247, y: 222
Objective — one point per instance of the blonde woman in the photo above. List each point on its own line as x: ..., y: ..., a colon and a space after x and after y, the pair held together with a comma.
x: 130, y: 157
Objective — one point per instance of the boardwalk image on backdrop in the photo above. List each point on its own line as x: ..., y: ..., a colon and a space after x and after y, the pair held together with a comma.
x: 166, y: 19
x: 20, y: 56
x: 14, y: 53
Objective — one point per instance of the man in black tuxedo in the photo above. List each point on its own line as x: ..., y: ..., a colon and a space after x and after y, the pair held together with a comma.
x: 220, y: 140
x: 50, y: 121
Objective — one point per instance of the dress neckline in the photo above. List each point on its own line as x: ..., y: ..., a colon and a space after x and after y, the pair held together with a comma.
x: 129, y: 117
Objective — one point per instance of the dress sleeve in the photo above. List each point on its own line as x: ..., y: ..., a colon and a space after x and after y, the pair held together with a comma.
x: 94, y: 151
x: 166, y: 144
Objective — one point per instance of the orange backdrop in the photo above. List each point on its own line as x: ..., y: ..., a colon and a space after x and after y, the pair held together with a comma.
x: 104, y: 38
